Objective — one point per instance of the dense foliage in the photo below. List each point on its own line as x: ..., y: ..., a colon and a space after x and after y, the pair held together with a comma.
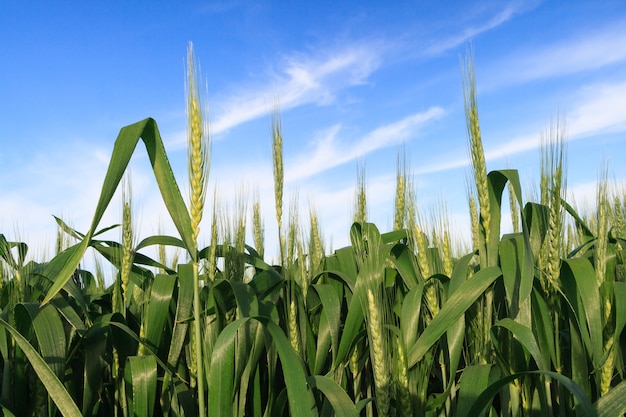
x: 405, y: 323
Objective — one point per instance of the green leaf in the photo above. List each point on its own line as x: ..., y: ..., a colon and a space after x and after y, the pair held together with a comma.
x: 184, y: 301
x: 584, y: 288
x: 517, y: 271
x: 410, y: 314
x: 612, y: 403
x: 61, y: 268
x: 49, y: 333
x: 156, y: 315
x: 62, y: 399
x: 336, y: 395
x: 300, y: 400
x: 332, y: 309
x: 352, y: 324
x: 222, y: 371
x: 487, y: 395
x: 462, y: 299
x: 140, y: 375
x: 474, y: 380
x: 525, y: 336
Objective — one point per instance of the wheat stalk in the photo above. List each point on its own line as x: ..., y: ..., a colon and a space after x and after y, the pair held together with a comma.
x: 316, y: 245
x: 402, y: 184
x: 552, y: 191
x: 198, y: 146
x: 402, y: 377
x: 127, y: 237
x: 258, y: 231
x: 475, y: 144
x: 360, y: 209
x: 378, y: 352
x: 474, y: 222
x: 277, y: 163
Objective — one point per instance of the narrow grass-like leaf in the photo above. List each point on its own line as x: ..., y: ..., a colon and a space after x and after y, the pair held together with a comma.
x: 332, y: 309
x: 619, y: 291
x: 141, y: 381
x: 487, y: 395
x: 336, y: 395
x: 467, y: 293
x: 410, y: 314
x: 542, y: 325
x: 184, y: 301
x: 122, y: 151
x: 352, y: 325
x: 62, y: 399
x: 612, y: 404
x: 474, y: 380
x: 525, y: 336
x: 581, y: 272
x: 517, y: 271
x: 49, y: 332
x: 222, y: 371
x: 157, y: 309
x: 300, y: 400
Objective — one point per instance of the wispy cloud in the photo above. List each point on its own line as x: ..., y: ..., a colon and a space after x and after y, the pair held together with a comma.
x: 300, y: 79
x: 330, y: 152
x: 601, y: 111
x: 589, y: 51
x: 598, y: 109
x: 501, y: 17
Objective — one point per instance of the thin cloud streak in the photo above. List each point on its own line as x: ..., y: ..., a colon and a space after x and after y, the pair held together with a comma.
x: 329, y: 153
x: 500, y: 18
x: 304, y: 80
x: 589, y: 52
x: 600, y: 111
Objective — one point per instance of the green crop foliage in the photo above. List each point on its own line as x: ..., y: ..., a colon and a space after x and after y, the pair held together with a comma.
x: 399, y: 323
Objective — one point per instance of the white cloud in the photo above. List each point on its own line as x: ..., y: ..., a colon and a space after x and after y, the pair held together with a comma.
x: 468, y: 33
x: 329, y: 152
x: 602, y: 110
x: 581, y: 53
x: 597, y: 109
x: 299, y: 79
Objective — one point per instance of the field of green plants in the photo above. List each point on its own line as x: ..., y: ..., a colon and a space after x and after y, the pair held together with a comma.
x: 402, y: 323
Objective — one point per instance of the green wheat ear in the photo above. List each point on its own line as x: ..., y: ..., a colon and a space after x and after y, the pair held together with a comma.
x: 360, y: 209
x: 475, y: 144
x: 198, y: 144
x: 277, y: 161
x: 198, y: 150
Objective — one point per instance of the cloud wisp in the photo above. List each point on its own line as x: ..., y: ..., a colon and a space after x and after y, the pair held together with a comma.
x: 599, y: 110
x: 590, y: 51
x: 501, y: 17
x: 301, y: 79
x: 330, y: 152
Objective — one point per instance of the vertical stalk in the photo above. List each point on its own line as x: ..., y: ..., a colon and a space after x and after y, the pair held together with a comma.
x: 277, y: 160
x: 477, y: 156
x: 198, y: 168
x: 360, y: 209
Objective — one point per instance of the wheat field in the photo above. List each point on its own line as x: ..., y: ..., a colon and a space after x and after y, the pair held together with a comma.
x: 399, y: 323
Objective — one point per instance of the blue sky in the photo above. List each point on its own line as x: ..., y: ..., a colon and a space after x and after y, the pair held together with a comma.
x: 357, y: 83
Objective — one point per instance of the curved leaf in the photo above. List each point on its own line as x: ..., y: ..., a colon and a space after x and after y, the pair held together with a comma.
x: 456, y: 305
x: 486, y: 397
x: 612, y: 403
x: 61, y: 269
x: 62, y: 399
x: 336, y: 395
x: 140, y: 375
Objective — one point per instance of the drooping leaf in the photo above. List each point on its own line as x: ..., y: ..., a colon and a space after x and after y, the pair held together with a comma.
x: 62, y: 399
x: 60, y: 269
x: 140, y: 375
x: 467, y: 293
